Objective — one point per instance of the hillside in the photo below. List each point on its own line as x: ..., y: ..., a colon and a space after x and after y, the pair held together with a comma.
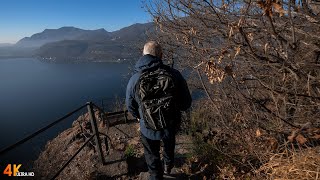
x: 63, y: 33
x: 120, y: 45
x: 70, y: 44
x: 81, y: 50
x: 123, y: 153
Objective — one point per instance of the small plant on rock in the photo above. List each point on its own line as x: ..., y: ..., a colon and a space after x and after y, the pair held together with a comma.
x: 129, y: 152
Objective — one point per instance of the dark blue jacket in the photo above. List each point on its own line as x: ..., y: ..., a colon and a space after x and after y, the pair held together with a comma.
x: 184, y: 99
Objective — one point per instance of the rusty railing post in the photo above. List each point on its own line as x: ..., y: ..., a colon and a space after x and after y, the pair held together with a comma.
x: 95, y: 131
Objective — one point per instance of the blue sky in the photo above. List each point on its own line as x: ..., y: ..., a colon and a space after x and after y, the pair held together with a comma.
x: 21, y: 18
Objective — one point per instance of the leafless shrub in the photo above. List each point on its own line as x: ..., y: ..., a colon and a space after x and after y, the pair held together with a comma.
x: 302, y: 165
x: 258, y: 63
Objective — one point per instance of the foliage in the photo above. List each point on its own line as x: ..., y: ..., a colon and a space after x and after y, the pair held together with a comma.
x: 293, y: 165
x: 129, y: 152
x: 258, y: 62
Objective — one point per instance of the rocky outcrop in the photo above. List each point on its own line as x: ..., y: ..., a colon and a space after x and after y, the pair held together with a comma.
x: 123, y: 152
x: 86, y: 164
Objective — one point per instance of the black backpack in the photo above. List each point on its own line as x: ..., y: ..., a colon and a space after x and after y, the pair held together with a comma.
x: 156, y: 92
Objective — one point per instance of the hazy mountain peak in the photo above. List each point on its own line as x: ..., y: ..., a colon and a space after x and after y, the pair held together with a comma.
x: 101, y: 30
x: 73, y: 44
x: 70, y: 28
x: 63, y: 33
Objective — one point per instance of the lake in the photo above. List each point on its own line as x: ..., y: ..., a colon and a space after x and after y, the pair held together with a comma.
x: 35, y: 93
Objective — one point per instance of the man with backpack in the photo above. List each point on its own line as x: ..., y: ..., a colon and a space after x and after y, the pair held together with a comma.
x: 156, y: 94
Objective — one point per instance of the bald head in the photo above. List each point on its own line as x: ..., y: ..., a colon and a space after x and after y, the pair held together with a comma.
x: 152, y: 48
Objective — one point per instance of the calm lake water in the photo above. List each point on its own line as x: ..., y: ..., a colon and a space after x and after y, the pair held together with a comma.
x: 35, y: 93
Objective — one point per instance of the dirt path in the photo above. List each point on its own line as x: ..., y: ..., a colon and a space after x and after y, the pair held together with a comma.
x: 124, y: 155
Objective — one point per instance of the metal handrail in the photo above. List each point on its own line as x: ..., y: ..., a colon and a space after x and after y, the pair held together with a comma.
x: 117, y: 113
x: 111, y: 114
x: 95, y: 135
x: 67, y: 163
x: 10, y: 147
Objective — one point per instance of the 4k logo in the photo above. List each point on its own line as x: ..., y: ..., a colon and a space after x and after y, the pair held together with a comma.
x: 13, y: 170
x: 9, y: 169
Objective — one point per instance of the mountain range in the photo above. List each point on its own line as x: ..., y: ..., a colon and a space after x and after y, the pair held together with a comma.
x: 74, y: 44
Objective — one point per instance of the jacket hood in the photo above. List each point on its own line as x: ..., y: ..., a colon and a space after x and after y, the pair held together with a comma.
x: 146, y: 62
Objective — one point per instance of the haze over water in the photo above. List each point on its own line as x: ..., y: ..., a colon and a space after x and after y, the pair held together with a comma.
x: 34, y: 93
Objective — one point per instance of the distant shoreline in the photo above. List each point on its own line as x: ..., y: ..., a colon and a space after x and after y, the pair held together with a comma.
x: 13, y: 57
x: 68, y: 61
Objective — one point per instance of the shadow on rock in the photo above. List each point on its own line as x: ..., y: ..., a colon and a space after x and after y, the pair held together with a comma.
x: 136, y: 165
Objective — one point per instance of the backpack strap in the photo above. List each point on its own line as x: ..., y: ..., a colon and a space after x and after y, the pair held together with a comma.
x: 161, y: 65
x: 153, y: 68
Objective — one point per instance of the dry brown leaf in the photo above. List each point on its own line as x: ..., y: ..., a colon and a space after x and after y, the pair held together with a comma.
x: 231, y: 31
x: 237, y: 51
x: 214, y: 73
x: 261, y: 4
x: 258, y: 133
x: 193, y: 31
x: 250, y: 37
x: 220, y: 59
x: 317, y: 137
x: 273, y: 143
x: 224, y: 51
x: 241, y: 20
x: 266, y: 46
x: 224, y: 6
x: 278, y: 8
x: 266, y: 7
x: 301, y: 139
x: 292, y: 136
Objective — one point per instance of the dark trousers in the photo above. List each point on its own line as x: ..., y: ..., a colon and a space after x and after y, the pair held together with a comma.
x: 152, y: 155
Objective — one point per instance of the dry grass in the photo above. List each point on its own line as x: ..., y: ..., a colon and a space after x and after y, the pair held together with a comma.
x: 303, y: 165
